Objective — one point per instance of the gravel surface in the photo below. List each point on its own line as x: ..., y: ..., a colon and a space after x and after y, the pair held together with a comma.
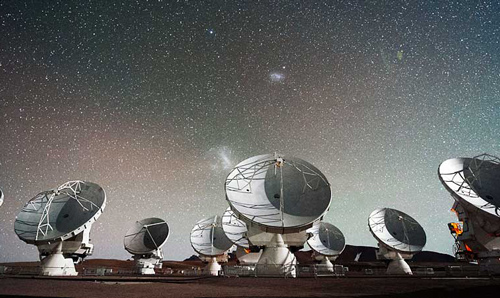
x: 252, y: 287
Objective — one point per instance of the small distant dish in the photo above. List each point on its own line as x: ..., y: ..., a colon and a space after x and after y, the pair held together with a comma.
x: 327, y: 240
x: 399, y: 237
x: 474, y: 182
x: 144, y: 240
x: 208, y: 237
x: 397, y: 230
x: 281, y: 194
x: 146, y: 236
x: 1, y: 197
x: 209, y: 240
x: 235, y: 229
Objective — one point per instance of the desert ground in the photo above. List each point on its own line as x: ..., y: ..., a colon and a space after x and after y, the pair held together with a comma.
x: 249, y: 287
x: 176, y: 280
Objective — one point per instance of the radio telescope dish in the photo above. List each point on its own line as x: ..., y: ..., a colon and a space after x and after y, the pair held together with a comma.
x: 397, y: 230
x: 235, y: 229
x: 144, y: 240
x: 146, y: 236
x: 474, y: 182
x: 60, y: 214
x: 327, y: 240
x: 208, y: 239
x: 399, y: 235
x: 1, y: 197
x: 58, y: 222
x: 282, y: 194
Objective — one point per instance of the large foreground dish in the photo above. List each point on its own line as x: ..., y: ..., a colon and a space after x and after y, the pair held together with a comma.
x: 61, y: 213
x: 58, y: 222
x: 474, y: 184
x: 281, y: 194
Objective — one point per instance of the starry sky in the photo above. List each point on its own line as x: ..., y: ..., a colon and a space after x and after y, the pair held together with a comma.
x: 156, y: 101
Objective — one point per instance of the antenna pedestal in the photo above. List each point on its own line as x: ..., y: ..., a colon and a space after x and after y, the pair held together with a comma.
x: 77, y: 248
x: 56, y: 265
x: 213, y: 267
x: 276, y: 259
x: 399, y: 266
x: 82, y: 241
x: 146, y: 264
x: 326, y: 265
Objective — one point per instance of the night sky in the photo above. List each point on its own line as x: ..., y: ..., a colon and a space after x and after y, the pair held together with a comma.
x: 156, y: 101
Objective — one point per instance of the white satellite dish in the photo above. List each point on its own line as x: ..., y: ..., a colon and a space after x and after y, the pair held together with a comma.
x: 1, y: 197
x: 279, y: 196
x: 282, y: 194
x: 58, y: 222
x: 327, y: 242
x: 399, y: 236
x: 144, y: 240
x: 474, y: 184
x: 235, y: 229
x: 210, y: 241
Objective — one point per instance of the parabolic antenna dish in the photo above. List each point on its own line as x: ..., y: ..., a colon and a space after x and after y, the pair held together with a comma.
x: 397, y: 230
x: 236, y: 230
x: 474, y: 182
x: 327, y: 239
x: 1, y: 197
x: 282, y: 194
x: 208, y: 237
x: 146, y: 236
x: 61, y: 213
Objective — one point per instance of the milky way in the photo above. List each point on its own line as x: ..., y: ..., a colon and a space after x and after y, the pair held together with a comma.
x: 155, y: 101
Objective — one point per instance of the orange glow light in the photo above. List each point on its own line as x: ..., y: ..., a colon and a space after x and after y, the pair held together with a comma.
x: 456, y: 228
